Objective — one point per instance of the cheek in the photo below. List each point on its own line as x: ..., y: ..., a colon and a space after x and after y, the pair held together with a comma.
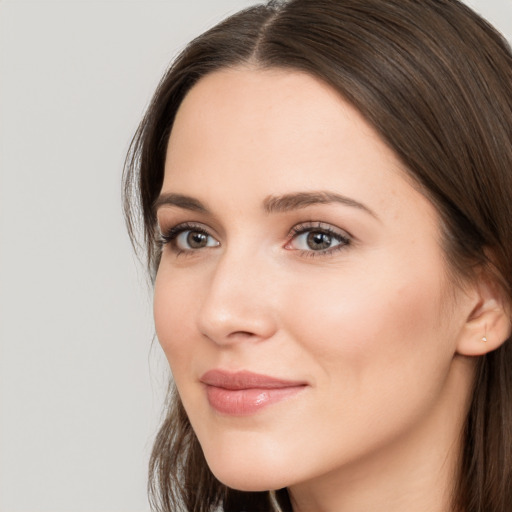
x: 172, y: 303
x: 379, y: 360
x: 363, y: 329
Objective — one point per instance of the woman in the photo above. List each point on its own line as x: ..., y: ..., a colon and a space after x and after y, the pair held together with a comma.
x: 325, y: 188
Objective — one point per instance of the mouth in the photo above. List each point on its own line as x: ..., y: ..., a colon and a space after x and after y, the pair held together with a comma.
x: 245, y: 393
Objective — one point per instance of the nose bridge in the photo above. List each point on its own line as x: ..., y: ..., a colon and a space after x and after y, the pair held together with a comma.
x: 237, y: 304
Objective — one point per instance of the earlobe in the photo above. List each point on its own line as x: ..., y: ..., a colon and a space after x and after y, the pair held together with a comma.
x: 488, y: 324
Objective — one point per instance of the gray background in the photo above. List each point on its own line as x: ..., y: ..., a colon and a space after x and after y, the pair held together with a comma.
x: 80, y: 385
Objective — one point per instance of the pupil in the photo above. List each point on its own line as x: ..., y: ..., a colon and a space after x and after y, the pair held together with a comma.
x: 318, y: 241
x: 196, y: 240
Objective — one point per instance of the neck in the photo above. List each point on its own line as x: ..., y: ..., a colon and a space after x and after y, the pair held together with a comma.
x: 416, y: 471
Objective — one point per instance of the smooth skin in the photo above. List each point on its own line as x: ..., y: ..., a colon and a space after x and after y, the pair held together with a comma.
x: 303, y: 251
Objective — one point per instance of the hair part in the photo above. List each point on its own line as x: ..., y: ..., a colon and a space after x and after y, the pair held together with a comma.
x: 435, y: 81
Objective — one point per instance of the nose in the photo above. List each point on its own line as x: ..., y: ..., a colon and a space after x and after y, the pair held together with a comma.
x: 238, y: 305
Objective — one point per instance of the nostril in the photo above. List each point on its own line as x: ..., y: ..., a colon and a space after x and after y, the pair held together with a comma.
x: 242, y: 334
x: 234, y: 336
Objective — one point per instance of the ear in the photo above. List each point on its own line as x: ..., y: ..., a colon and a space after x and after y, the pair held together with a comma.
x: 488, y: 324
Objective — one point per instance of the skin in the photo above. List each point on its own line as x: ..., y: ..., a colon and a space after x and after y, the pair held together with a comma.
x: 376, y: 329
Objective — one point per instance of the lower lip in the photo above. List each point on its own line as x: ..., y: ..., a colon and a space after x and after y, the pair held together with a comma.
x: 244, y: 402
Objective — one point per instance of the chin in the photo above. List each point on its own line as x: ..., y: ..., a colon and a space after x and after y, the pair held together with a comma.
x: 248, y: 482
x: 248, y: 474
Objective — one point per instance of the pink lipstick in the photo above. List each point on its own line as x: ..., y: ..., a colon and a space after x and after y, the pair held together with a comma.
x: 245, y: 393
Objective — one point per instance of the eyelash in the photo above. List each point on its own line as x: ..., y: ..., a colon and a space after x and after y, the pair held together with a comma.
x: 169, y: 237
x: 319, y: 227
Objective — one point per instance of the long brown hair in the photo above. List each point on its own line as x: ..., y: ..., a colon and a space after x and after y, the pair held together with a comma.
x: 435, y: 81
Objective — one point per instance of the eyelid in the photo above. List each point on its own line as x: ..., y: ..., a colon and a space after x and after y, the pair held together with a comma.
x: 343, y: 236
x: 169, y: 235
x: 320, y: 226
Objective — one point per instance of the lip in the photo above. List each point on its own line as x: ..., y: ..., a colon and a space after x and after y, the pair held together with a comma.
x: 245, y: 393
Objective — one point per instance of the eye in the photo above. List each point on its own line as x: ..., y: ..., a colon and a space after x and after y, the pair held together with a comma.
x: 190, y: 239
x: 187, y: 238
x: 319, y: 238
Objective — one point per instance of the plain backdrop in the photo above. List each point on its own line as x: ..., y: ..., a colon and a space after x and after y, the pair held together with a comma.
x: 81, y: 383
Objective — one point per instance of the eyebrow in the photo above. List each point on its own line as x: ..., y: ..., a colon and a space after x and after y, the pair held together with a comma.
x: 299, y: 200
x: 179, y: 200
x: 271, y: 204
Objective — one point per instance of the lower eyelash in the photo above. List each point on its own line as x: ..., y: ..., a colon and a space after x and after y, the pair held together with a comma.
x: 304, y: 228
x: 325, y: 252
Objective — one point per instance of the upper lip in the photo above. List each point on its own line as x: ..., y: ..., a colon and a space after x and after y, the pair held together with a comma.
x: 245, y: 380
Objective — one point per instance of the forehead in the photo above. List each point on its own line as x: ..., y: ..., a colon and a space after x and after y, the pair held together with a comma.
x: 274, y: 107
x: 274, y: 131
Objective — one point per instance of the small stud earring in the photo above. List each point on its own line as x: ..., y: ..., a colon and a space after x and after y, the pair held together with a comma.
x: 484, y: 339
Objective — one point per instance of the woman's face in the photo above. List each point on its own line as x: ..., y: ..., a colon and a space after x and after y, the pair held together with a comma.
x: 302, y: 298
